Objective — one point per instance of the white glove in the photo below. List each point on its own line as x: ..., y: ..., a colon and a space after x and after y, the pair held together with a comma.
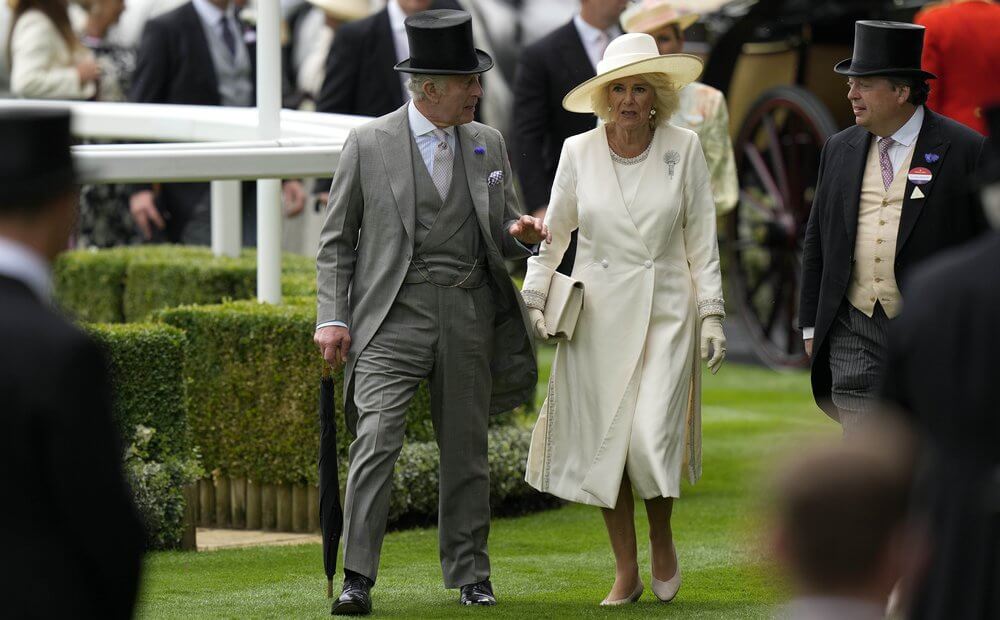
x: 711, y: 334
x: 538, y: 322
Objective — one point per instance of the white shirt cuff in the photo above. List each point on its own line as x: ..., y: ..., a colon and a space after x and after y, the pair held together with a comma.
x: 807, y: 333
x: 332, y: 324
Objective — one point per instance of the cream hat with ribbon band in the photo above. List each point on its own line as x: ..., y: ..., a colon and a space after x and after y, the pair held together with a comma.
x: 345, y: 10
x: 633, y: 54
x: 650, y: 16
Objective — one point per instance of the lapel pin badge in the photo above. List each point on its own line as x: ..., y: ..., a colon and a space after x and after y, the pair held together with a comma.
x: 495, y: 178
x: 930, y: 158
x: 479, y: 150
x: 916, y: 193
x: 919, y: 176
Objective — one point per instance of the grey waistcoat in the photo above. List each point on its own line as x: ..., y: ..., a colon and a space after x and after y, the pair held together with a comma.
x: 447, y: 239
x: 233, y: 74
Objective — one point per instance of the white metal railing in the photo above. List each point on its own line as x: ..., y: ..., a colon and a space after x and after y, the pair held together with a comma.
x: 218, y: 144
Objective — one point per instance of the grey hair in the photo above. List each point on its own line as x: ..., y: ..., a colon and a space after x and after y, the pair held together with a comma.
x: 416, y: 84
x: 665, y: 103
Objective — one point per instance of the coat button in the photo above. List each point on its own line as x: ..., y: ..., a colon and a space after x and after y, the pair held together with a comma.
x: 604, y: 263
x: 878, y: 260
x: 648, y: 264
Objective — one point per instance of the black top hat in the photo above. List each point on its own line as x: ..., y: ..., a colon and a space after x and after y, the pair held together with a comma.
x: 35, y: 161
x: 441, y: 44
x: 885, y: 48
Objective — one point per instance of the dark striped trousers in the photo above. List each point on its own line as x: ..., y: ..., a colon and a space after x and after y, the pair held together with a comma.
x: 858, y: 346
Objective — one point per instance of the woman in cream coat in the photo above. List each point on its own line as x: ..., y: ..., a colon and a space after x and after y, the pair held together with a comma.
x: 623, y: 406
x: 46, y: 59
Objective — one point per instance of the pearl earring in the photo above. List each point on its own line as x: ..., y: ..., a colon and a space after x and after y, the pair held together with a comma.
x: 652, y: 113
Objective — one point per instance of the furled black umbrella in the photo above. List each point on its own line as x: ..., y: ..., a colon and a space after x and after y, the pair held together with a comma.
x: 331, y: 514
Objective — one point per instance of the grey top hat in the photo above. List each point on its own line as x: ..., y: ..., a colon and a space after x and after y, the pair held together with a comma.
x: 441, y: 44
x: 885, y: 48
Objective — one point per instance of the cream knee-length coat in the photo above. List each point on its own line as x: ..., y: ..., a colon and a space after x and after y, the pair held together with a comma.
x: 624, y: 394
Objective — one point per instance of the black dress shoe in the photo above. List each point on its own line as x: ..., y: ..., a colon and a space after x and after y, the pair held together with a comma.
x: 356, y: 598
x: 478, y: 594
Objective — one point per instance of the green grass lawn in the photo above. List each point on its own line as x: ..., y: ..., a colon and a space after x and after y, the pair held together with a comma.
x: 555, y: 563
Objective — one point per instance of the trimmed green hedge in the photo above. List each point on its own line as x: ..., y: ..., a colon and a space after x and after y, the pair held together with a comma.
x: 147, y: 371
x: 130, y: 283
x: 414, y: 495
x: 146, y: 363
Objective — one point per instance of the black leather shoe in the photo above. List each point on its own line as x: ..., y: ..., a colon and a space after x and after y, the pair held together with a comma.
x: 356, y: 598
x: 478, y: 594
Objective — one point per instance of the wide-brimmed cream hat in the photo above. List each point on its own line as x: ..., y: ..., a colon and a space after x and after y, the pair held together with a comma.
x: 651, y: 15
x: 633, y: 54
x: 345, y: 10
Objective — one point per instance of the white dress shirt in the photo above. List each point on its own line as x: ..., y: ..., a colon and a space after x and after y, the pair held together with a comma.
x: 595, y: 40
x: 905, y: 141
x: 396, y: 23
x: 21, y: 263
x: 423, y: 133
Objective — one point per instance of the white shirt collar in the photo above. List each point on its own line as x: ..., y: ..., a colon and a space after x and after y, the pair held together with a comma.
x: 589, y: 33
x: 396, y: 16
x: 23, y: 264
x: 419, y: 125
x: 211, y: 14
x: 907, y: 134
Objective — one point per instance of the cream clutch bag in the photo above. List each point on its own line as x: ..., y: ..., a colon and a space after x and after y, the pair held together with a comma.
x: 562, y: 306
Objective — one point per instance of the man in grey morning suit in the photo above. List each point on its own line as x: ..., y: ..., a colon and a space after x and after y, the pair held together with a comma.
x: 421, y: 215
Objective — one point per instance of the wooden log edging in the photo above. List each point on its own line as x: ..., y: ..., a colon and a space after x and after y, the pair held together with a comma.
x: 240, y: 503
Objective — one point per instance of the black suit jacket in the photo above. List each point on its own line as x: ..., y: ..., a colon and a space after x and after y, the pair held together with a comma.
x: 174, y: 65
x: 941, y: 371
x: 948, y: 215
x: 546, y: 71
x: 71, y: 538
x: 360, y: 78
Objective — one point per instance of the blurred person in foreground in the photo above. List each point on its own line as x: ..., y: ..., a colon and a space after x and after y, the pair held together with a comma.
x: 197, y: 54
x: 47, y: 61
x: 546, y: 71
x: 942, y: 375
x: 893, y: 190
x: 72, y: 539
x: 840, y: 528
x: 412, y: 286
x: 623, y: 411
x: 702, y: 109
x: 962, y: 46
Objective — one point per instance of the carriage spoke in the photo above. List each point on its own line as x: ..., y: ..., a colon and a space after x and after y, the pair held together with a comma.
x: 757, y: 161
x: 777, y: 157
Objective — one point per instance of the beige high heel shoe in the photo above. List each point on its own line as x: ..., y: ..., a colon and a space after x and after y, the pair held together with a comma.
x: 667, y: 590
x: 631, y: 598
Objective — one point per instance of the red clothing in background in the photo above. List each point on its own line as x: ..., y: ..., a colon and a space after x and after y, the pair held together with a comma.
x: 962, y: 47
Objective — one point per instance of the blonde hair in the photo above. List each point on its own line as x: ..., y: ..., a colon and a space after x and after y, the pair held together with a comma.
x: 665, y: 103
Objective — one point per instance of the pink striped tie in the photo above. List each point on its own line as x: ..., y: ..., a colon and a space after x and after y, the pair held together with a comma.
x: 883, y: 158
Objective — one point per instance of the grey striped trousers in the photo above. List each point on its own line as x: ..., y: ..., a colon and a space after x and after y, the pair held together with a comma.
x: 858, y: 347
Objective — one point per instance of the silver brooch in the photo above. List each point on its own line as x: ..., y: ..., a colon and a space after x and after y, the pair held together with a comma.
x: 671, y: 158
x: 495, y: 178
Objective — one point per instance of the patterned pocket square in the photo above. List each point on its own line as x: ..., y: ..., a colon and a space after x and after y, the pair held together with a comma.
x: 495, y: 178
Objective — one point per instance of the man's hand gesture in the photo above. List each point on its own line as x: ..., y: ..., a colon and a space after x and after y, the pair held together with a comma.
x: 334, y: 342
x: 530, y: 230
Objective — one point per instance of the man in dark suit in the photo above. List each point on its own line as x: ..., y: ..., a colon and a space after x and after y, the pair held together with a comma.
x: 196, y: 54
x: 72, y: 540
x: 893, y: 190
x: 941, y: 373
x: 546, y: 72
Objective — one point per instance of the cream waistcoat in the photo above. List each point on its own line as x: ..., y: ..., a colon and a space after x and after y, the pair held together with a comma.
x: 873, y: 277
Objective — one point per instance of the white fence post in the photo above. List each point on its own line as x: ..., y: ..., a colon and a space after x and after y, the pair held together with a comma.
x: 227, y: 220
x: 269, y: 128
